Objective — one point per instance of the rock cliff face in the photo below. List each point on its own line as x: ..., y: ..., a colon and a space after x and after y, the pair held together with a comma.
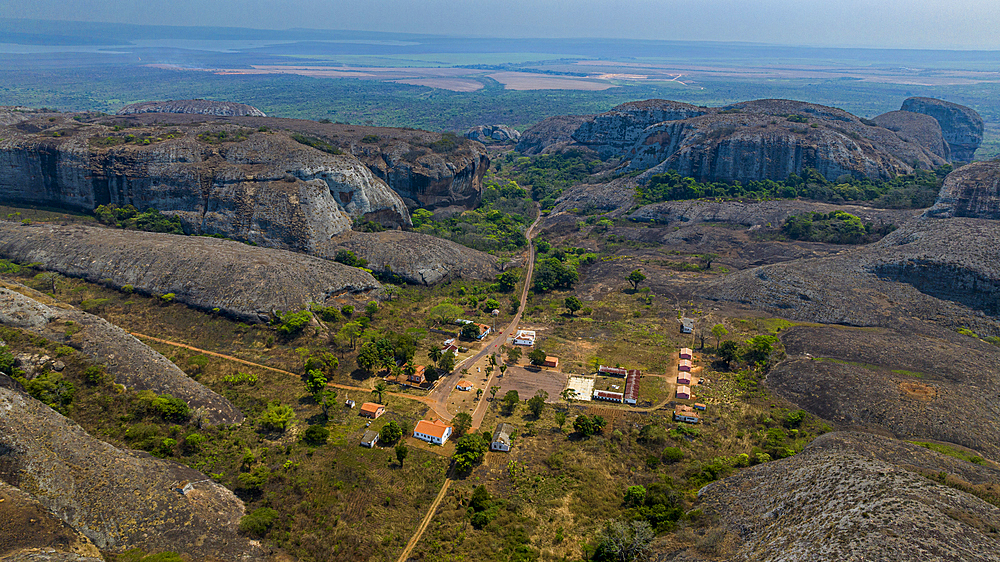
x: 132, y: 363
x: 970, y: 191
x: 962, y: 126
x: 218, y: 178
x: 118, y: 499
x: 624, y: 125
x: 493, y: 133
x: 916, y: 127
x: 853, y: 496
x: 244, y: 282
x: 196, y: 107
x: 756, y: 140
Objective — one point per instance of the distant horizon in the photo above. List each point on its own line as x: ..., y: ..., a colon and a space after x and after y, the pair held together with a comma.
x: 417, y: 36
x: 957, y: 25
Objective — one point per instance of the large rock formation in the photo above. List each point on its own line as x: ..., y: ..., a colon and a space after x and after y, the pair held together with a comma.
x: 133, y: 364
x: 962, y: 126
x: 916, y: 127
x: 245, y: 282
x: 756, y: 140
x: 493, y: 133
x: 852, y: 496
x: 218, y: 178
x: 417, y: 258
x: 195, y: 107
x: 551, y: 135
x: 30, y: 530
x: 118, y: 499
x: 970, y: 191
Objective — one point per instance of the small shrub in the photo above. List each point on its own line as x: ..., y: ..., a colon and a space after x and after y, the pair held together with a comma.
x: 259, y: 521
x: 316, y: 435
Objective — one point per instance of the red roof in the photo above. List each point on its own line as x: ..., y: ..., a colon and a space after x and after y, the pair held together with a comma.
x: 632, y: 385
x: 371, y: 407
x: 612, y: 370
x: 433, y: 428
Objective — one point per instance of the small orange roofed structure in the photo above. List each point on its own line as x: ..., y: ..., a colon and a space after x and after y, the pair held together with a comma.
x: 683, y: 392
x: 464, y: 385
x: 372, y: 410
x: 436, y: 432
x: 687, y: 353
x: 551, y: 362
x: 700, y: 406
x: 684, y: 379
x: 684, y: 365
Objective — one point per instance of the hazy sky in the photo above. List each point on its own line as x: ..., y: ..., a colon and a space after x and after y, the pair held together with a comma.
x: 962, y: 24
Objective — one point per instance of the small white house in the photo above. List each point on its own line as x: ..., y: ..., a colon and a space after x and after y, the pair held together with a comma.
x: 436, y: 432
x: 370, y: 439
x: 685, y: 414
x: 687, y: 325
x: 464, y: 385
x: 501, y: 437
x: 524, y: 337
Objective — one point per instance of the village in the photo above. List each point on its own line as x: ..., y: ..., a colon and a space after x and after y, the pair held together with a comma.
x: 497, y: 368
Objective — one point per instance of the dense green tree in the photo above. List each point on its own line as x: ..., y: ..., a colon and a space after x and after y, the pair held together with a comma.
x: 371, y: 308
x: 469, y: 451
x: 560, y: 419
x: 635, y: 278
x: 369, y: 359
x: 758, y: 349
x: 391, y: 432
x: 507, y: 281
x: 719, y: 331
x: 447, y: 363
x: 510, y: 402
x: 461, y: 423
x: 551, y: 274
x: 729, y: 351
x: 316, y: 435
x: 446, y: 312
x: 536, y: 404
x: 537, y: 357
x: 573, y: 304
x: 347, y: 257
x: 259, y: 521
x: 470, y: 331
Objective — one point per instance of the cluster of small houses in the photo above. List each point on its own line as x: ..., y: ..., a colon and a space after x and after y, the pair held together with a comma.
x: 434, y: 431
x: 683, y: 412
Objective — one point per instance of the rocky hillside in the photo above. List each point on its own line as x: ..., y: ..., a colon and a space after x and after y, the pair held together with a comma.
x: 426, y: 169
x: 916, y: 127
x: 132, y: 363
x: 962, y: 126
x: 755, y: 140
x: 971, y: 191
x: 30, y: 529
x: 417, y: 258
x: 219, y: 178
x: 242, y: 281
x: 116, y: 498
x: 197, y: 107
x: 493, y: 133
x: 853, y: 496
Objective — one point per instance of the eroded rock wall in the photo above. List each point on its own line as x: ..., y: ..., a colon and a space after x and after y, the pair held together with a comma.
x: 961, y: 126
x: 971, y: 191
x: 196, y: 107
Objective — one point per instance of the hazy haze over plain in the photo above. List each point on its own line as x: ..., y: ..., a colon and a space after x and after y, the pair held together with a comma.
x: 931, y: 24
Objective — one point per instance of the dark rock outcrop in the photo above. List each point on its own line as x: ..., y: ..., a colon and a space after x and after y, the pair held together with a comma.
x: 962, y: 126
x: 218, y: 178
x: 749, y: 141
x: 133, y: 364
x: 118, y: 499
x: 551, y: 135
x: 242, y: 281
x: 970, y: 191
x: 916, y: 127
x: 917, y: 271
x: 194, y: 107
x: 852, y: 496
x: 493, y: 133
x: 417, y: 258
